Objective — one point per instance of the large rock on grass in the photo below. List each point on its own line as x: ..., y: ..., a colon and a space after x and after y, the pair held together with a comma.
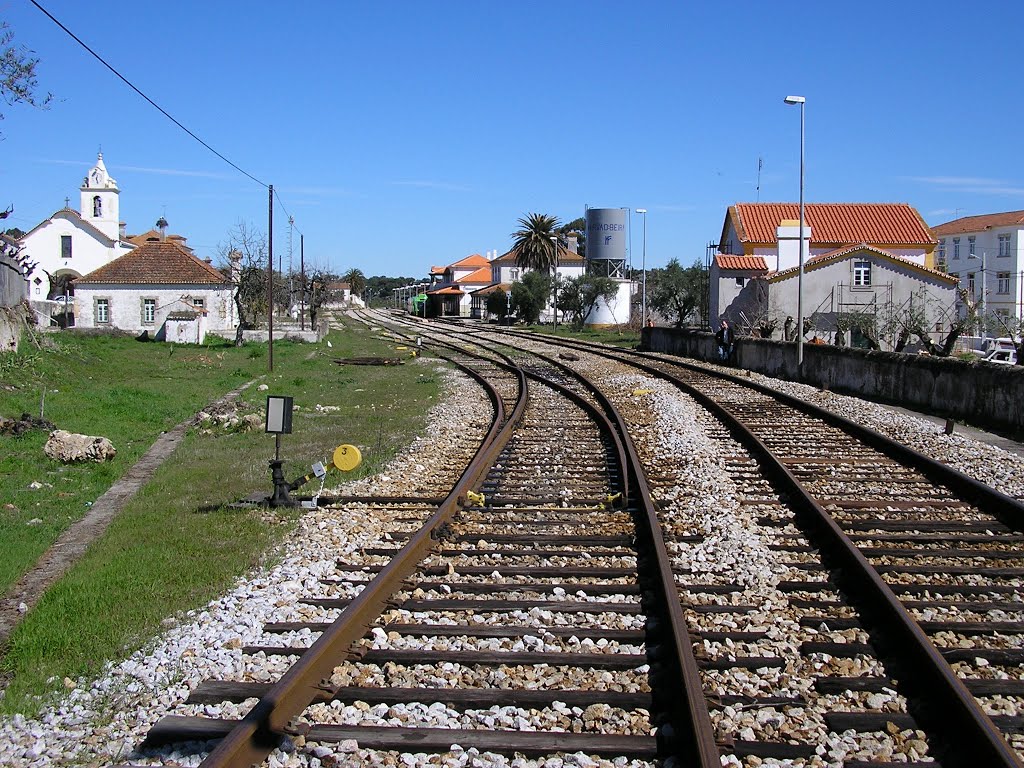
x: 68, y: 447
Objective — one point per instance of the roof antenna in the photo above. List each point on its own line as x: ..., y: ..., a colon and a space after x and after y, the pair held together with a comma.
x: 759, y: 164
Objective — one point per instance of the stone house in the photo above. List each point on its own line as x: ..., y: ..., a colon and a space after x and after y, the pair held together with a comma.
x: 156, y: 288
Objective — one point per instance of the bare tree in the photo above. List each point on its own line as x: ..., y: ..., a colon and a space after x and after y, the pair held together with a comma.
x: 924, y: 312
x: 243, y: 259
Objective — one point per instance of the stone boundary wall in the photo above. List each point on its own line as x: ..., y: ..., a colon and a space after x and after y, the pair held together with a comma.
x: 10, y: 329
x: 984, y: 394
x: 260, y: 335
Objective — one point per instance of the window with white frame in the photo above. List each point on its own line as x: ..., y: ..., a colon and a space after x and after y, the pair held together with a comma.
x: 148, y: 311
x: 199, y: 302
x: 740, y: 282
x: 513, y: 275
x: 103, y: 311
x: 970, y: 283
x: 1004, y: 245
x: 1003, y: 312
x: 1002, y: 282
x: 65, y: 246
x: 970, y: 245
x: 942, y: 250
x: 956, y: 247
x: 861, y: 274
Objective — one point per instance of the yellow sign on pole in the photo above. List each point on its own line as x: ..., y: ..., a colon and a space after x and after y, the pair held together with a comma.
x: 346, y: 458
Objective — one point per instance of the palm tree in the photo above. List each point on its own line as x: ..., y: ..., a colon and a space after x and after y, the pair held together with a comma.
x: 533, y: 247
x: 356, y: 281
x: 536, y: 248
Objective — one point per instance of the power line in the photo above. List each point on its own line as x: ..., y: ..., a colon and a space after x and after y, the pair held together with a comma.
x: 132, y: 86
x: 283, y: 208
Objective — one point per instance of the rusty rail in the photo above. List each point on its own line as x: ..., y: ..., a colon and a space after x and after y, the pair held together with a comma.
x: 945, y: 705
x: 260, y: 731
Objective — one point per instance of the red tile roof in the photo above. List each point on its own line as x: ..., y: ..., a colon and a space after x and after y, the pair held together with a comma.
x: 158, y: 261
x: 565, y: 256
x: 839, y: 223
x: 437, y: 270
x: 450, y: 290
x: 154, y: 234
x: 482, y: 275
x: 980, y: 223
x: 746, y: 263
x: 476, y: 260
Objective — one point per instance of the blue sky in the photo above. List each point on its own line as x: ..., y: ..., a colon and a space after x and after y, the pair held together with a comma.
x: 405, y: 134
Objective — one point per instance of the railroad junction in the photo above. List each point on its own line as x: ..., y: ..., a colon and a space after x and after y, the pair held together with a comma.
x: 604, y: 558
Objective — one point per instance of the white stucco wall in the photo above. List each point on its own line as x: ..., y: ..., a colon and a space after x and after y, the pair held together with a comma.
x: 126, y: 305
x: 90, y: 250
x: 616, y: 311
x: 888, y: 281
x: 987, y: 244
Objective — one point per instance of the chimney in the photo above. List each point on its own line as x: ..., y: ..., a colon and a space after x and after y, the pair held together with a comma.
x: 161, y: 224
x: 235, y: 262
x: 122, y: 231
x: 788, y: 254
x: 572, y: 243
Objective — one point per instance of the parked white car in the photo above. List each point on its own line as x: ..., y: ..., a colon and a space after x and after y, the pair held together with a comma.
x: 1003, y: 352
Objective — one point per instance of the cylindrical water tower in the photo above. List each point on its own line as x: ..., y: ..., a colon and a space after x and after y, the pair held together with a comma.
x: 607, y: 241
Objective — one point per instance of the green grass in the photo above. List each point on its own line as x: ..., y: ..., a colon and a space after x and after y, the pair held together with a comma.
x: 174, y: 546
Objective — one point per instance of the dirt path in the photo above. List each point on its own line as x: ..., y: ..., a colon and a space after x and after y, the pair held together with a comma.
x: 72, y: 544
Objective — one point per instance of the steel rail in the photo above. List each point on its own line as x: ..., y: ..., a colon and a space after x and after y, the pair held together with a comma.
x: 938, y: 695
x: 259, y: 732
x: 686, y: 735
x: 1008, y: 509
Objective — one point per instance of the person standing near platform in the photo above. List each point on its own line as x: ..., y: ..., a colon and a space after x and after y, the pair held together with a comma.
x: 725, y: 338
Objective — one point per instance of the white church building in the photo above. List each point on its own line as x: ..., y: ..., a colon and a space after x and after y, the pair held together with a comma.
x: 73, y: 243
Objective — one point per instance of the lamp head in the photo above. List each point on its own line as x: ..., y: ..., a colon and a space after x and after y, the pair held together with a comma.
x: 794, y: 99
x: 641, y: 210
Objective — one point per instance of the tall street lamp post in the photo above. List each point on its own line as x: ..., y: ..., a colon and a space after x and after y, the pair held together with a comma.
x: 643, y: 270
x: 982, y: 299
x: 800, y: 276
x: 554, y: 283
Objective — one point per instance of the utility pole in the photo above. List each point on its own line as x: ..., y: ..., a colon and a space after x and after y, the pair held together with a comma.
x: 302, y: 279
x: 270, y: 277
x: 291, y: 292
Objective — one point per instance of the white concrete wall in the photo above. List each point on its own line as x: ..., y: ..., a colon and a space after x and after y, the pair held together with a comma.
x: 126, y: 305
x: 616, y: 311
x: 89, y: 251
x: 821, y: 291
x: 987, y: 243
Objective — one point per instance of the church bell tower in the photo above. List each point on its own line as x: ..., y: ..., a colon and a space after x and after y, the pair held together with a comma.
x: 100, y: 200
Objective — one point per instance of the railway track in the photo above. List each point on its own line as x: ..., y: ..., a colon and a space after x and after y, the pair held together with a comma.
x: 899, y: 581
x: 533, y: 613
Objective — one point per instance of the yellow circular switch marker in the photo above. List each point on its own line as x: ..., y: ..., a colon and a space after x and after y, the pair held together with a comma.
x: 346, y: 457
